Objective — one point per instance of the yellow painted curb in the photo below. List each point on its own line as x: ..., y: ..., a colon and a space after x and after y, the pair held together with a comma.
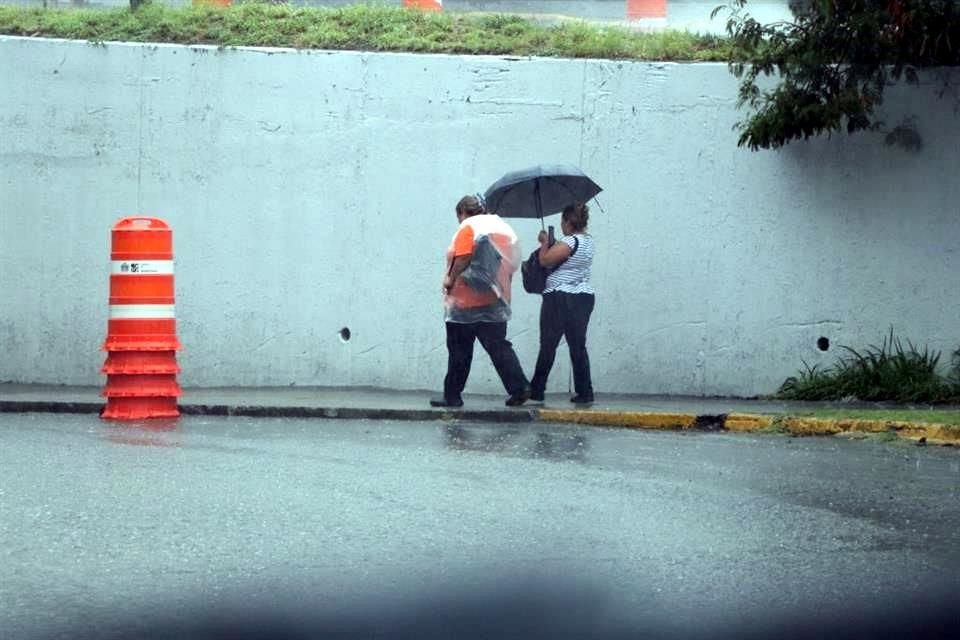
x: 811, y: 426
x: 635, y: 419
x: 744, y: 422
x: 827, y: 426
x: 930, y: 432
x: 747, y: 422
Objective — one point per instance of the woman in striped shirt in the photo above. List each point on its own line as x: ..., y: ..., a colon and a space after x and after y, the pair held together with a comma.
x: 567, y: 302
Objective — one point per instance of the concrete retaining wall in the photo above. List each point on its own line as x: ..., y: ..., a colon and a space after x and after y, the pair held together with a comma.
x: 312, y: 191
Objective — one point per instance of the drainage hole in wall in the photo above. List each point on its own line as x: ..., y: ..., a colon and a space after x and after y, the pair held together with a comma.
x: 345, y: 334
x: 823, y: 343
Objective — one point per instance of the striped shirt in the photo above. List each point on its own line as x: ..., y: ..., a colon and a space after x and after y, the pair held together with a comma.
x: 573, y: 275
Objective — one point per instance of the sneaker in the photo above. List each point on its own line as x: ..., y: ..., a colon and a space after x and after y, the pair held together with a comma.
x: 536, y: 396
x: 446, y: 402
x: 518, y: 399
x: 578, y: 399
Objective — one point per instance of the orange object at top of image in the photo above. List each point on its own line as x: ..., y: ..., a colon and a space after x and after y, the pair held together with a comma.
x: 424, y: 5
x: 639, y: 9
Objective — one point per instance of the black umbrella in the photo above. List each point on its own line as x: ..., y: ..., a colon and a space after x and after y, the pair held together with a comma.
x: 539, y: 191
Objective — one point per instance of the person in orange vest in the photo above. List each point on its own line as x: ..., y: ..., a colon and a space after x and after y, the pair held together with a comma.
x: 481, y: 261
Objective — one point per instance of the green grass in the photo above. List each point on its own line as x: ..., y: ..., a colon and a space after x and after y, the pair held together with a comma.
x: 360, y: 27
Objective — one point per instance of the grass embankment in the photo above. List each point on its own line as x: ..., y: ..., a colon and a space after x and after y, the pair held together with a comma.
x: 359, y: 27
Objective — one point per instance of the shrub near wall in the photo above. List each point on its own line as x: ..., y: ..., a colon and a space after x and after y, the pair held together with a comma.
x: 888, y: 372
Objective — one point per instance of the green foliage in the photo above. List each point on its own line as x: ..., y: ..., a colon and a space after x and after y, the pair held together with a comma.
x: 832, y: 64
x: 359, y: 27
x: 888, y: 372
x: 954, y: 379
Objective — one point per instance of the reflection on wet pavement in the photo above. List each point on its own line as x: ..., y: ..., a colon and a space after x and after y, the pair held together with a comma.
x: 143, y: 433
x: 516, y: 441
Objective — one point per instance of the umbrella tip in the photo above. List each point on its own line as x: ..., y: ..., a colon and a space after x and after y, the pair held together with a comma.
x: 599, y: 206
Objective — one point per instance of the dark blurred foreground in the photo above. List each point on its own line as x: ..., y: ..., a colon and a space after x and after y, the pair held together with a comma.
x: 528, y: 608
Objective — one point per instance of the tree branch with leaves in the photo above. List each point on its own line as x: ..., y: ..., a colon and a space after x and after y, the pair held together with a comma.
x: 832, y: 64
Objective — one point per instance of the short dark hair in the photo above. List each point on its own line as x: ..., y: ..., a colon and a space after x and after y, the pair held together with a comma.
x: 577, y: 215
x: 470, y: 206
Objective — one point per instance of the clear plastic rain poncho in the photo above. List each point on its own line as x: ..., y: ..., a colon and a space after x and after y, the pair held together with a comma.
x: 482, y: 292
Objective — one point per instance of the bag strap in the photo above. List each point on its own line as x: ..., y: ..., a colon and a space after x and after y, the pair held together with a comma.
x: 536, y: 253
x: 576, y: 245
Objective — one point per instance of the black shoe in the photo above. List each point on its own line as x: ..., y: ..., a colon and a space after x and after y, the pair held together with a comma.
x: 446, y: 402
x: 578, y: 399
x: 536, y: 396
x: 518, y: 399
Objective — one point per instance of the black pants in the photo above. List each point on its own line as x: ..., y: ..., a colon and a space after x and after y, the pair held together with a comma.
x: 564, y: 315
x: 493, y: 338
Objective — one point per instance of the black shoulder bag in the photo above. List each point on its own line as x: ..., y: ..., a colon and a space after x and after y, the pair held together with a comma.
x: 535, y: 274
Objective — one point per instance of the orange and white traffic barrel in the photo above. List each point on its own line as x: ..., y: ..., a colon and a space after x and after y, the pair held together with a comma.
x: 424, y: 5
x: 140, y: 362
x: 141, y: 287
x: 145, y: 385
x: 141, y: 342
x: 140, y: 408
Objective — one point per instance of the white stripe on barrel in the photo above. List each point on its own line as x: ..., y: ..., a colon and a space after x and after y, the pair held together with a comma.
x: 141, y: 267
x: 140, y: 311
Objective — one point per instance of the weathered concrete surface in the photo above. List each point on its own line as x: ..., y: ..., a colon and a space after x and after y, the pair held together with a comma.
x: 312, y: 191
x: 627, y: 411
x: 373, y: 398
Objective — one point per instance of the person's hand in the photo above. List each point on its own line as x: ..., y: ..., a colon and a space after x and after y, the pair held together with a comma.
x: 447, y: 284
x: 542, y: 237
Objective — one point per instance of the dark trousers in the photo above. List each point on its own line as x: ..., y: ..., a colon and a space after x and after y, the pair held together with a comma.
x: 493, y: 338
x: 564, y: 315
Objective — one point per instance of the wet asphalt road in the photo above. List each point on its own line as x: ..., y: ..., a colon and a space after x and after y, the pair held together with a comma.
x: 229, y: 527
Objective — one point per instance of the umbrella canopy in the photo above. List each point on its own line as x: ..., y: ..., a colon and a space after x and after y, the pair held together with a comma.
x: 539, y: 191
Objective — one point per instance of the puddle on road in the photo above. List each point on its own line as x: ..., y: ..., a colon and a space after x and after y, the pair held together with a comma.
x: 516, y: 441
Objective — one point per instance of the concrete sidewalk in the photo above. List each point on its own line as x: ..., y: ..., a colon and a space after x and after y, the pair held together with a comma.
x: 633, y: 411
